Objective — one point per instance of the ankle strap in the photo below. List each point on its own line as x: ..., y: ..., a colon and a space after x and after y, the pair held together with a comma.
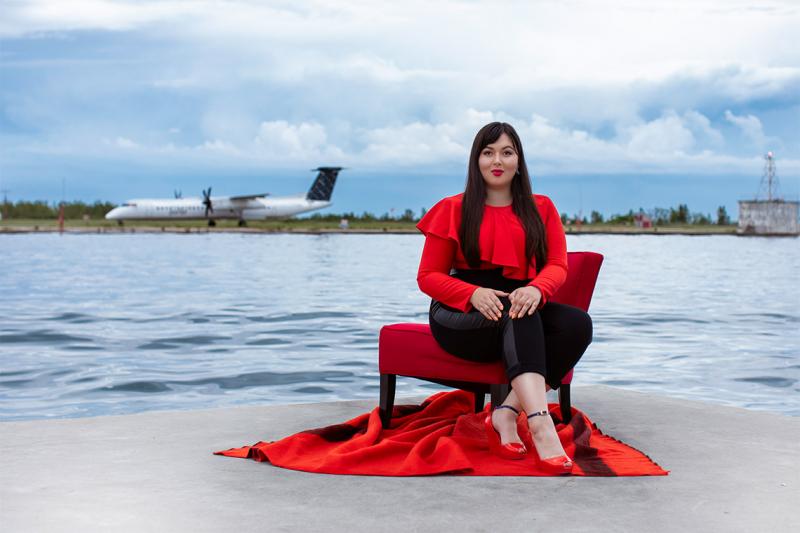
x: 506, y: 407
x: 538, y: 413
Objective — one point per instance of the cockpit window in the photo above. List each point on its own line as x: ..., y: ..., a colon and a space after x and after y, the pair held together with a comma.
x: 128, y: 204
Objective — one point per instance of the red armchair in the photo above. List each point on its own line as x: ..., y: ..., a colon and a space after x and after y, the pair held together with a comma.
x: 410, y: 350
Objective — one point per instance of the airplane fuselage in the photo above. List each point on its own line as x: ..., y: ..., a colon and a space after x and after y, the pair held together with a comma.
x: 248, y: 207
x: 223, y: 208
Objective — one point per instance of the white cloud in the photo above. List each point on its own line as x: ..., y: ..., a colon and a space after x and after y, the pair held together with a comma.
x: 409, y: 83
x: 549, y: 43
x: 288, y: 143
x: 370, y: 66
x: 667, y: 144
x: 34, y: 16
x: 221, y: 147
x: 414, y: 144
x: 702, y: 128
x: 557, y: 147
x: 750, y: 126
x: 665, y: 135
x: 124, y: 142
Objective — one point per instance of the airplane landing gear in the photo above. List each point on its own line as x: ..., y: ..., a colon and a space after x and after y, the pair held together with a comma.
x: 119, y: 223
x: 242, y: 223
x: 212, y: 222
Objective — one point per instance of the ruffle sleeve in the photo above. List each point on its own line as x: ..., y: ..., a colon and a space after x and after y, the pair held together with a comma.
x: 442, y: 220
x: 441, y: 253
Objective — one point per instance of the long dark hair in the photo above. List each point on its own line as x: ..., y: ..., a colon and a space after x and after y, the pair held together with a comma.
x: 523, y: 205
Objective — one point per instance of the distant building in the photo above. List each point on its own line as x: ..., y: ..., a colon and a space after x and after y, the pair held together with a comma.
x: 768, y: 217
x: 641, y: 220
x: 773, y: 216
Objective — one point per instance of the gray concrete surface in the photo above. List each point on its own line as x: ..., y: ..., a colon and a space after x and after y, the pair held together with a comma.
x: 731, y: 470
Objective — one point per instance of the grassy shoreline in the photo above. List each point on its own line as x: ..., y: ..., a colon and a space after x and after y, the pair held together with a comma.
x: 317, y: 226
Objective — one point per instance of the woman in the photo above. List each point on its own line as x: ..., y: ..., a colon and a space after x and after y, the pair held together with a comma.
x: 509, y: 253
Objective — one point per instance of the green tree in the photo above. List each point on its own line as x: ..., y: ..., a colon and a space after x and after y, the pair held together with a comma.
x: 680, y: 215
x: 597, y: 217
x: 660, y: 216
x: 407, y: 216
x: 722, y: 216
x: 626, y: 219
x: 38, y: 209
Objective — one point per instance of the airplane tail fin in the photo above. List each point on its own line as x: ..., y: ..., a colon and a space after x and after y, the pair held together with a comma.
x: 322, y: 188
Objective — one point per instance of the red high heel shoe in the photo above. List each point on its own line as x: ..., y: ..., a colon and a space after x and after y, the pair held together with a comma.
x: 561, y: 464
x: 555, y: 465
x: 512, y: 450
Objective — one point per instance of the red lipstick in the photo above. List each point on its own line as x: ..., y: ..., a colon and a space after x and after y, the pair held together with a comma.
x: 497, y: 172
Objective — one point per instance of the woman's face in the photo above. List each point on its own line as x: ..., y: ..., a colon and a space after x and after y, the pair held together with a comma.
x: 498, y: 163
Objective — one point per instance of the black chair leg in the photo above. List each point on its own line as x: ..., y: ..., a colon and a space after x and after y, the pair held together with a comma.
x: 480, y: 401
x: 564, y: 403
x: 388, y: 382
x: 499, y: 393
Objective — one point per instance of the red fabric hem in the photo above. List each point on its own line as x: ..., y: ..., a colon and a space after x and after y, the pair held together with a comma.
x: 440, y: 436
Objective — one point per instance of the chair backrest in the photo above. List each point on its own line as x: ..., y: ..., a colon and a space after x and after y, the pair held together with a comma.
x: 581, y: 278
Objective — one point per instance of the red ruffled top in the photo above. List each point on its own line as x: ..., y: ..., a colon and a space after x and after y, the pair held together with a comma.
x: 502, y: 244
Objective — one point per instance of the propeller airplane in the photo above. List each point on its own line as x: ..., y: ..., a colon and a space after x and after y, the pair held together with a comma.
x: 243, y: 208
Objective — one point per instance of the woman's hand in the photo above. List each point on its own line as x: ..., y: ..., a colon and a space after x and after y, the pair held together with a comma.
x: 487, y: 302
x: 524, y: 300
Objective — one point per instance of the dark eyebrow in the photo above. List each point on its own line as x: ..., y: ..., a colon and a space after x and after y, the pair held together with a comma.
x: 487, y: 147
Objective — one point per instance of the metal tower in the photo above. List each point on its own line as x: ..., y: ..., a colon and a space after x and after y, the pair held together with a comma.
x: 770, y: 216
x: 769, y: 179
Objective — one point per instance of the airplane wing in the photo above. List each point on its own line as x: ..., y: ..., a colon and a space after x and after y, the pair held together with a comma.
x: 248, y: 197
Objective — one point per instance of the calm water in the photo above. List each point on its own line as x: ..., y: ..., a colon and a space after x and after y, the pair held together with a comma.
x: 109, y: 324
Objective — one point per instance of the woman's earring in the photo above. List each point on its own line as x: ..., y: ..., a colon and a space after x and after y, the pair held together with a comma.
x: 518, y: 172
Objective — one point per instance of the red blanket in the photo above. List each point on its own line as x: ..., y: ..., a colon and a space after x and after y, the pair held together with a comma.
x: 441, y: 436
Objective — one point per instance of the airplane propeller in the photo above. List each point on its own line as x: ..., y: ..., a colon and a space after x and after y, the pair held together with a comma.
x: 207, y: 201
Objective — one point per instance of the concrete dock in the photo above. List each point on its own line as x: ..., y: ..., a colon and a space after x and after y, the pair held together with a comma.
x: 731, y: 469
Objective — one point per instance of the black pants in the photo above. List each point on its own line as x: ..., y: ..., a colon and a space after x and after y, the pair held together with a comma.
x: 549, y: 342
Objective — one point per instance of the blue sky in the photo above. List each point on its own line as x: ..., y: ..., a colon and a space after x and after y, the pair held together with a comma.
x: 619, y: 104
